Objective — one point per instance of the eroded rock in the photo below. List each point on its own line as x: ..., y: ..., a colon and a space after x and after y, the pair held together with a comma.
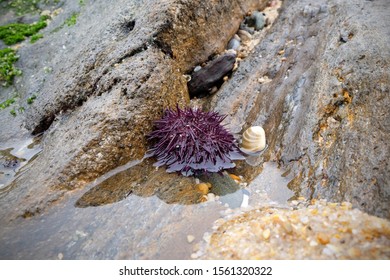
x: 324, y: 98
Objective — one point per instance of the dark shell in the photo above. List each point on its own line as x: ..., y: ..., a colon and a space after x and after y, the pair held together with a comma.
x: 192, y: 141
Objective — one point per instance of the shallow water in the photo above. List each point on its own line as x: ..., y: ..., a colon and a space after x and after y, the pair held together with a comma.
x: 133, y: 212
x: 14, y: 155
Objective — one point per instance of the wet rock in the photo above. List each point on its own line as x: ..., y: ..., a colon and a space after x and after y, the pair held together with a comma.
x: 320, y: 103
x: 256, y: 20
x: 244, y: 35
x: 233, y: 44
x: 206, y: 78
x: 221, y: 184
x: 107, y: 87
x: 250, y: 30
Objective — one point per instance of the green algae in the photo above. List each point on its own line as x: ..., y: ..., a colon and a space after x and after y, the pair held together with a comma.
x: 7, y: 68
x: 72, y: 19
x: 16, y: 32
x: 35, y: 38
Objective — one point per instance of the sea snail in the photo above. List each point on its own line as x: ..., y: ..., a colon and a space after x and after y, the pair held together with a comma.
x: 253, y: 140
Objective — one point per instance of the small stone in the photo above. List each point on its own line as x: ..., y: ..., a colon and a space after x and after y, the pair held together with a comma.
x: 210, y: 197
x: 266, y: 234
x: 354, y: 252
x: 233, y: 44
x: 248, y: 29
x: 256, y: 20
x: 235, y: 177
x: 244, y: 35
x: 194, y: 256
x: 322, y: 238
x: 190, y: 238
x: 203, y: 188
x: 264, y: 80
x: 304, y: 220
x: 213, y: 90
x: 60, y: 256
x: 197, y: 68
x: 210, y: 75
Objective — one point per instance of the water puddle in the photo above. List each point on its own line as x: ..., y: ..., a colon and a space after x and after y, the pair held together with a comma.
x: 14, y: 156
x: 270, y: 187
x: 135, y: 212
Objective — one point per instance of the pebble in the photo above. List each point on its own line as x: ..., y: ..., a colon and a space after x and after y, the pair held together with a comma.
x: 60, y: 256
x: 233, y: 44
x: 197, y: 68
x: 235, y: 177
x: 210, y: 197
x: 264, y: 80
x: 266, y: 234
x: 343, y: 233
x: 210, y: 75
x: 246, y: 28
x: 244, y: 35
x: 190, y: 238
x: 256, y: 20
x: 204, y: 188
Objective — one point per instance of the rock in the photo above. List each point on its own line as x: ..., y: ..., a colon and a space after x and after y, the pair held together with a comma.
x: 197, y: 68
x: 203, y: 188
x: 256, y: 20
x: 206, y: 78
x: 320, y: 103
x: 121, y: 66
x: 221, y: 184
x: 244, y: 35
x: 233, y: 44
x: 190, y: 238
x: 246, y: 28
x: 104, y: 92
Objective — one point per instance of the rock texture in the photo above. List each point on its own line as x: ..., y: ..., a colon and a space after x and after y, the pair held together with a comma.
x: 325, y: 105
x: 105, y: 88
x: 317, y: 82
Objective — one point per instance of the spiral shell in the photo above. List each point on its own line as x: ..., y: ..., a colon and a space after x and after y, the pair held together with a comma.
x: 253, y: 139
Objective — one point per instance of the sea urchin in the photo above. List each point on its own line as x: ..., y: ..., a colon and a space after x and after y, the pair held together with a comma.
x: 192, y: 141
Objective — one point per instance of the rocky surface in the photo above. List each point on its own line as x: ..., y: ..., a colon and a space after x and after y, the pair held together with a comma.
x: 317, y: 80
x: 103, y: 91
x: 318, y: 83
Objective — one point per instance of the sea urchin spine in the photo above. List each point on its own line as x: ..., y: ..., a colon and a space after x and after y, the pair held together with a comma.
x: 192, y: 141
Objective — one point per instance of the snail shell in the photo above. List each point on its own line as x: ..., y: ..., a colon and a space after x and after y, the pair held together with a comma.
x: 253, y: 139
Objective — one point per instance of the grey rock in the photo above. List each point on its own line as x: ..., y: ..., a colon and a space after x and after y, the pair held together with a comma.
x: 113, y: 73
x: 256, y: 20
x: 209, y: 76
x: 325, y: 112
x: 325, y: 100
x: 250, y: 30
x: 233, y: 44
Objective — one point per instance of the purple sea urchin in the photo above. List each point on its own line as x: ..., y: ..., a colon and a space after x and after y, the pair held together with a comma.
x: 193, y: 141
